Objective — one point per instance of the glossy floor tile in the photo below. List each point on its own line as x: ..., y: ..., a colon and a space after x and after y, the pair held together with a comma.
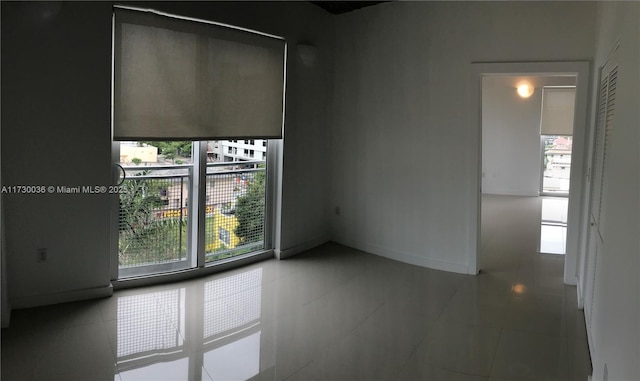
x: 332, y: 313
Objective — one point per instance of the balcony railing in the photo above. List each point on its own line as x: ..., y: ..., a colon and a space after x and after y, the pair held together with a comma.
x: 235, y: 198
x: 154, y: 215
x: 153, y: 224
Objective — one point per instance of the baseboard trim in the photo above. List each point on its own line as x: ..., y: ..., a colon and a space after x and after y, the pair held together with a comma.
x: 61, y: 297
x: 302, y: 247
x: 514, y: 193
x: 431, y: 263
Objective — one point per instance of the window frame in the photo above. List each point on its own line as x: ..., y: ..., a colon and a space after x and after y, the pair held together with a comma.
x: 273, y: 198
x: 197, y: 211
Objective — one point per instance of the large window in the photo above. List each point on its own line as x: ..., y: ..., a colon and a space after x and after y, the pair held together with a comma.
x: 190, y: 100
x: 159, y: 201
x: 556, y: 135
x: 154, y: 223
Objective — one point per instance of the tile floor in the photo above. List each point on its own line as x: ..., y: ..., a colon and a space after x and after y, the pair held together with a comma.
x: 332, y: 313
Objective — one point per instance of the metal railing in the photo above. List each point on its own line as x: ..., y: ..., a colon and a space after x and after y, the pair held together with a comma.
x: 154, y: 214
x: 235, y: 198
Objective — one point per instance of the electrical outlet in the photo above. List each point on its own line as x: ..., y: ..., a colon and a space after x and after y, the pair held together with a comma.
x: 337, y: 210
x: 42, y: 255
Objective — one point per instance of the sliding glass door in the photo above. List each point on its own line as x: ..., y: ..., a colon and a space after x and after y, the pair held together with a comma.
x: 556, y: 164
x: 154, y: 222
x: 556, y: 136
x: 235, y: 198
x: 187, y: 200
x: 165, y: 198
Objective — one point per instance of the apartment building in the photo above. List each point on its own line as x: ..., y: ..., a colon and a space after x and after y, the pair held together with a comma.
x: 237, y: 150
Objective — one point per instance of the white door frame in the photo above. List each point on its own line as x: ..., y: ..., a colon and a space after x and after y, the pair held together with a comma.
x: 577, y: 223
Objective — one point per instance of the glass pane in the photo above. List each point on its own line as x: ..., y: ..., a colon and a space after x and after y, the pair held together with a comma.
x: 557, y: 163
x: 235, y: 198
x: 553, y: 225
x: 153, y: 223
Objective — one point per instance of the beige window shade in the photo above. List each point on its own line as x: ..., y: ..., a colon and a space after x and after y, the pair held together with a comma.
x: 179, y: 79
x: 557, y: 111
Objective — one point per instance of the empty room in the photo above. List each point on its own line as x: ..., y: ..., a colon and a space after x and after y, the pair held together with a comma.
x: 310, y: 190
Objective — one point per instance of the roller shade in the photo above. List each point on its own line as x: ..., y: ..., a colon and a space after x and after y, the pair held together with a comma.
x: 557, y: 111
x: 180, y: 79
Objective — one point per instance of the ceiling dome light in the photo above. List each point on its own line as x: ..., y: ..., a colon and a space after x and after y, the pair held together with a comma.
x: 525, y: 90
x: 519, y: 288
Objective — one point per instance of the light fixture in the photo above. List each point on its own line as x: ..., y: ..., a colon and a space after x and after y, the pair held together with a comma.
x: 307, y: 53
x: 525, y: 90
x: 519, y: 288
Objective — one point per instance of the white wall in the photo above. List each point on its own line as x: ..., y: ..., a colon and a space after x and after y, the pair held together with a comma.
x: 56, y: 81
x: 511, y: 158
x: 510, y: 139
x: 5, y: 311
x: 56, y: 77
x: 615, y: 329
x: 404, y: 169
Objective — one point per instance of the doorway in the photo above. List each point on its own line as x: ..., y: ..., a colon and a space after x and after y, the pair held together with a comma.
x: 527, y: 138
x: 579, y: 72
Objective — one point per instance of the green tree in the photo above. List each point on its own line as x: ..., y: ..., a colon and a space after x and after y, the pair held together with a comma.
x: 250, y: 210
x: 137, y: 201
x: 170, y: 150
x: 169, y: 155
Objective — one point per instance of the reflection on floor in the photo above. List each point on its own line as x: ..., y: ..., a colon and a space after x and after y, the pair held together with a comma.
x: 333, y: 313
x: 553, y: 225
